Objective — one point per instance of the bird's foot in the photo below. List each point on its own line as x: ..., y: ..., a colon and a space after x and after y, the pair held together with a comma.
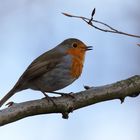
x: 9, y: 104
x: 86, y: 87
x: 71, y: 95
x: 48, y: 98
x: 64, y: 94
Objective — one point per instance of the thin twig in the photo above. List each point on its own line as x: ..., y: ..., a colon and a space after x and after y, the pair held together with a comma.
x: 90, y: 21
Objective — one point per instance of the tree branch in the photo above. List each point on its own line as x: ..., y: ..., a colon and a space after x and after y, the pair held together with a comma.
x: 91, y: 21
x: 67, y: 104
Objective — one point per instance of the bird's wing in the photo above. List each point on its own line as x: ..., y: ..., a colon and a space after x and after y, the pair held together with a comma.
x: 41, y: 65
x: 38, y: 69
x: 44, y: 63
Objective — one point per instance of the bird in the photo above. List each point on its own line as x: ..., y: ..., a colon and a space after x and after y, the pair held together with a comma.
x: 53, y: 70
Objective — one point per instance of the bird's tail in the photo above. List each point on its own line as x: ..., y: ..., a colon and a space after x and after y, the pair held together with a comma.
x: 7, y: 96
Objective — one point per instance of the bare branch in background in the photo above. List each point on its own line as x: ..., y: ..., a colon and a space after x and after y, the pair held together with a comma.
x: 91, y: 21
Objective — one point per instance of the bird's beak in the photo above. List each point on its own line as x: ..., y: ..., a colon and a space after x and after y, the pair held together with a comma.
x: 88, y: 48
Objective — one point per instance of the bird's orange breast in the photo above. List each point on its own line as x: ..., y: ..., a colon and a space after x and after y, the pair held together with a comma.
x: 77, y: 62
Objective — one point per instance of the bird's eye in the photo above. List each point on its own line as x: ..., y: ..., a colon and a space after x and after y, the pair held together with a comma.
x: 74, y: 45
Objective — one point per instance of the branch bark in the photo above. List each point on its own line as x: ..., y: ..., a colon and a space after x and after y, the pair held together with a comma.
x: 66, y: 104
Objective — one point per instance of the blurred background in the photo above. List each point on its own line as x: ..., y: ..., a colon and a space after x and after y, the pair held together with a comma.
x: 30, y: 27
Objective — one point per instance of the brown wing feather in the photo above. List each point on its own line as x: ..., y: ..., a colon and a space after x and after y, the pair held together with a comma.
x: 39, y: 69
x: 44, y: 63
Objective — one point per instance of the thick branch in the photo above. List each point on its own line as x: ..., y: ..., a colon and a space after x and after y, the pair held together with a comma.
x: 67, y: 104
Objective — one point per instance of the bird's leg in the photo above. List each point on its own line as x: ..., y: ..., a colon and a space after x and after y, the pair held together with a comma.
x: 48, y: 98
x: 10, y: 104
x: 63, y: 94
x: 58, y: 93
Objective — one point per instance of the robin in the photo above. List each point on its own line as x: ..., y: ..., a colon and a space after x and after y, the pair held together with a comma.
x: 53, y: 70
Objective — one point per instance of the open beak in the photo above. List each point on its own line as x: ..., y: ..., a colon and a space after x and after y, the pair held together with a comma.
x: 88, y: 48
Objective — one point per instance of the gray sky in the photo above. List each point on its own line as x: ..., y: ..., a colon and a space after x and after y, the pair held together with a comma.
x: 29, y: 28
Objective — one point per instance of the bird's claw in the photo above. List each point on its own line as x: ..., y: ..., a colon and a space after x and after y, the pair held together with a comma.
x: 71, y: 95
x: 86, y: 87
x: 9, y: 104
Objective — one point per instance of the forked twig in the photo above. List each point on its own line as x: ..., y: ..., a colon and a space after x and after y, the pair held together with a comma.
x: 90, y: 21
